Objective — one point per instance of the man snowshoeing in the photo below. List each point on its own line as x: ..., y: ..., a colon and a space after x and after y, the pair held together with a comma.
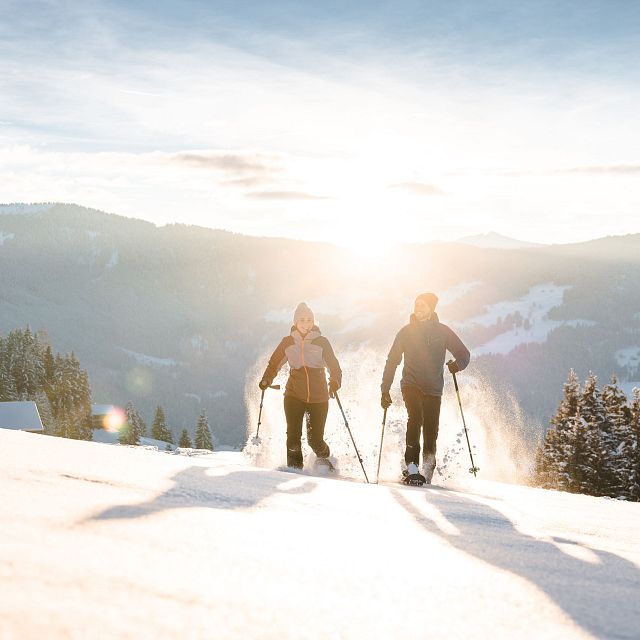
x: 423, y: 343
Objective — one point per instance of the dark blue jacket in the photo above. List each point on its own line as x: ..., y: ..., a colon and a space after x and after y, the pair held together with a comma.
x: 424, y: 346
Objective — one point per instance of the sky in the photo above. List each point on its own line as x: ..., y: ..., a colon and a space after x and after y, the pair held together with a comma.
x: 362, y: 123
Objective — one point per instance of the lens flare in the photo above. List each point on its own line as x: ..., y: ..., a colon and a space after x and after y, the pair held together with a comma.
x: 140, y: 381
x: 114, y: 420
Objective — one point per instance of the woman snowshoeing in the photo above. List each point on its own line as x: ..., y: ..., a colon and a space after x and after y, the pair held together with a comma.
x: 308, y: 353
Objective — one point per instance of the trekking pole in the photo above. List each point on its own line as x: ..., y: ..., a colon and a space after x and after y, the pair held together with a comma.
x: 344, y: 417
x: 384, y: 420
x: 256, y: 439
x: 473, y: 469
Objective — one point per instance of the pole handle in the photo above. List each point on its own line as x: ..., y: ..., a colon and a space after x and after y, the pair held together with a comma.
x: 455, y: 380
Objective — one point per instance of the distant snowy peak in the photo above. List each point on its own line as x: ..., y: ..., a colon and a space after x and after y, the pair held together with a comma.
x: 494, y: 240
x: 24, y: 209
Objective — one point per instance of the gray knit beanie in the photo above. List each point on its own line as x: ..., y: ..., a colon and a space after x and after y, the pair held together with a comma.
x: 302, y: 310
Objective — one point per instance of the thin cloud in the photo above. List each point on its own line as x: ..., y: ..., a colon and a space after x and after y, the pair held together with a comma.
x: 228, y: 163
x: 419, y: 188
x: 616, y: 169
x: 603, y: 170
x: 245, y: 183
x: 283, y: 195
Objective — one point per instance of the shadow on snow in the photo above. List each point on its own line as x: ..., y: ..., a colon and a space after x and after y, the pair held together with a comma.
x: 601, y: 598
x: 193, y: 487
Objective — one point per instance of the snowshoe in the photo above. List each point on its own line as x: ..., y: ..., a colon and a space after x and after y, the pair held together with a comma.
x: 412, y: 477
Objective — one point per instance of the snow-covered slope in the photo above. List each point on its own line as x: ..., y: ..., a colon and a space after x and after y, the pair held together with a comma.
x: 533, y: 308
x: 98, y: 541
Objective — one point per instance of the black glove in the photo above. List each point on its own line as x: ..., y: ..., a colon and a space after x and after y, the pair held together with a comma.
x: 453, y: 366
x: 334, y: 385
x: 385, y: 400
x: 263, y: 384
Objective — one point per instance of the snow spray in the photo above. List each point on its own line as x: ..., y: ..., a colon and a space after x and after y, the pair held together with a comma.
x: 497, y: 429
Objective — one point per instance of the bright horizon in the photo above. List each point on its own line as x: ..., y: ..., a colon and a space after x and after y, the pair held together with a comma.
x: 346, y: 244
x: 365, y: 125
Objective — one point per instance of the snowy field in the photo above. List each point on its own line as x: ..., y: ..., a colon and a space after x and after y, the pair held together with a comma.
x: 101, y: 541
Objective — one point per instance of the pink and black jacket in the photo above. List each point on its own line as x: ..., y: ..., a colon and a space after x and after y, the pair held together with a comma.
x: 307, y: 357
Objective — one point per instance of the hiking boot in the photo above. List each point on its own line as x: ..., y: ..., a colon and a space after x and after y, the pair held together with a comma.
x: 429, y: 466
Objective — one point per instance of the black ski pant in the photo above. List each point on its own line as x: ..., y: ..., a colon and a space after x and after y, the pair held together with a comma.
x: 316, y: 412
x: 423, y: 416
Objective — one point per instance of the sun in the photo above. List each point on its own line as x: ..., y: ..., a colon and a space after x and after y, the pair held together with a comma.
x: 369, y: 229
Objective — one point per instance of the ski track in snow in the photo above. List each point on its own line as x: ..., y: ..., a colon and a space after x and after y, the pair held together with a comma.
x: 101, y: 541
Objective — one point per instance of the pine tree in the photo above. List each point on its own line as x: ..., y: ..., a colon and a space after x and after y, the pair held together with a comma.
x: 159, y: 429
x: 59, y: 386
x: 127, y: 434
x: 617, y: 436
x: 633, y: 484
x: 8, y: 390
x: 185, y: 440
x: 557, y: 449
x: 203, y: 438
x: 49, y: 366
x: 132, y: 428
x: 141, y: 428
x: 72, y: 399
x: 592, y: 427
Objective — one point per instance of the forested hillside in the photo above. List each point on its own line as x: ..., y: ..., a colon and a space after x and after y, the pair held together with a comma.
x: 186, y: 316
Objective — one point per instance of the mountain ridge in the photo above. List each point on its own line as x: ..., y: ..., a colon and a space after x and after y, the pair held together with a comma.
x: 216, y: 303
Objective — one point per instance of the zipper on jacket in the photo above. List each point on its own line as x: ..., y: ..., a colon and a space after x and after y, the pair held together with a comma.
x: 304, y: 366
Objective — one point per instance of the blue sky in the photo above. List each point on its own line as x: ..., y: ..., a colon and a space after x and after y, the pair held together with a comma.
x: 283, y: 118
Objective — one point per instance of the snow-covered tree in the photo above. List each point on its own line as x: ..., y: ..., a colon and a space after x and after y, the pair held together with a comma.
x: 134, y: 426
x: 185, y: 440
x: 8, y: 390
x: 203, y: 438
x: 617, y: 466
x: 59, y: 386
x: 592, y: 442
x: 557, y: 449
x: 633, y: 486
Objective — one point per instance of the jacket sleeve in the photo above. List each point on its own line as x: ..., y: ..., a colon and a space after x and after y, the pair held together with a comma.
x: 276, y: 362
x: 393, y: 360
x: 457, y: 349
x: 335, y: 372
